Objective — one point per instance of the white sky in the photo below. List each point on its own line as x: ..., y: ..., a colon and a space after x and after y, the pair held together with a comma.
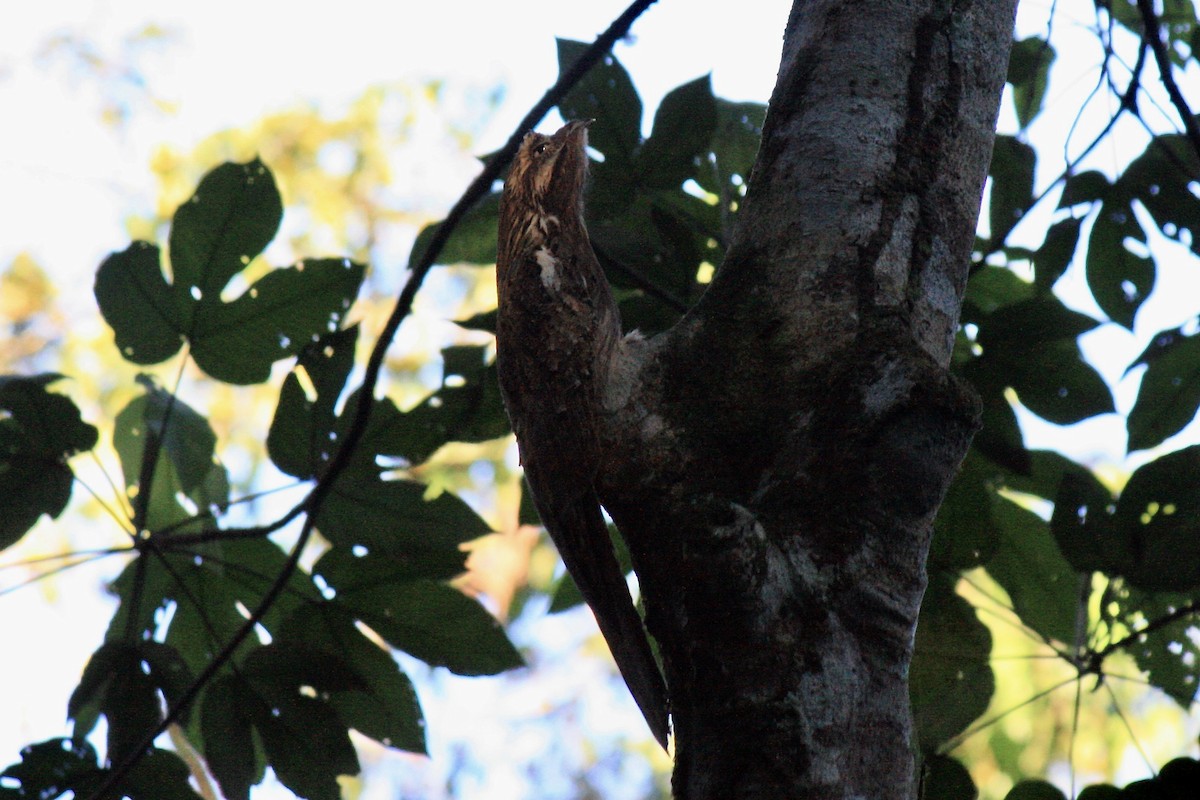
x: 67, y: 181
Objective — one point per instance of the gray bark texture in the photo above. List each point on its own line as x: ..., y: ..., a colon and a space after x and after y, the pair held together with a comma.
x: 775, y: 460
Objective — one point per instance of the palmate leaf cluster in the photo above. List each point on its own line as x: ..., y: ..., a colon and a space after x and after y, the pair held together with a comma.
x: 287, y: 700
x: 659, y: 211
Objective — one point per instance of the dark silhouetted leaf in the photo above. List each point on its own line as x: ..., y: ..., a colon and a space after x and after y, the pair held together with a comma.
x: 384, y: 706
x: 39, y: 431
x: 1084, y: 187
x: 1034, y: 790
x: 138, y: 304
x: 1120, y: 280
x: 160, y: 775
x: 1012, y: 185
x: 278, y: 316
x: 945, y: 778
x: 393, y: 518
x: 299, y: 440
x: 473, y: 240
x: 606, y: 95
x: 950, y: 680
x: 683, y: 129
x: 1029, y: 73
x: 229, y: 738
x: 230, y: 219
x: 307, y: 745
x: 434, y: 622
x: 964, y: 535
x: 52, y: 768
x: 114, y: 685
x: 1170, y: 390
x: 1044, y: 589
x: 1158, y: 519
x: 1056, y: 252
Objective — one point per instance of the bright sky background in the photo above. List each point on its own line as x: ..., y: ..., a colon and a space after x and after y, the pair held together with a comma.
x: 68, y: 181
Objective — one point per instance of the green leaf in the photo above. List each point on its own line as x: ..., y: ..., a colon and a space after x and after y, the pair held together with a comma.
x: 39, y: 431
x: 1119, y: 279
x: 433, y: 622
x: 186, y: 463
x: 52, y: 768
x: 945, y: 778
x: 138, y: 304
x: 1167, y: 653
x: 281, y: 314
x: 1084, y: 187
x: 1157, y: 520
x: 393, y: 518
x: 307, y: 746
x: 606, y: 95
x: 1034, y: 790
x: 384, y: 706
x: 1044, y: 589
x: 113, y: 684
x: 230, y: 219
x: 964, y: 534
x: 1031, y: 346
x: 1160, y: 179
x: 1056, y: 252
x: 950, y: 679
x: 473, y: 240
x: 1012, y: 167
x: 1029, y: 72
x: 467, y: 408
x: 683, y: 129
x: 299, y: 440
x: 228, y: 737
x: 159, y: 775
x: 991, y: 288
x: 1169, y: 395
x: 734, y: 148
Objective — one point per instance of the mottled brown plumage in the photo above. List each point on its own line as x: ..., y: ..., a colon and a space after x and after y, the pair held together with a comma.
x: 556, y: 335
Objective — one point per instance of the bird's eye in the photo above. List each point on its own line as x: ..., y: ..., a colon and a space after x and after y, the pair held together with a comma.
x: 540, y: 148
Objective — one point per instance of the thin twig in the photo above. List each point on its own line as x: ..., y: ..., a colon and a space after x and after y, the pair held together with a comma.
x: 1166, y: 72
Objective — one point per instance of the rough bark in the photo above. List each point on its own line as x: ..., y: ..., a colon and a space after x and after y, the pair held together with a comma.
x: 775, y: 461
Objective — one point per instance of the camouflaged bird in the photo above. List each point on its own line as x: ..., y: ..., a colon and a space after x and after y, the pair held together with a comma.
x: 557, y: 333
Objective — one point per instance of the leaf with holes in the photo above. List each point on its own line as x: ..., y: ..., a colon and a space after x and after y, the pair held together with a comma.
x: 1169, y: 653
x: 51, y: 769
x: 1119, y: 278
x: 301, y: 441
x: 383, y: 703
x: 1157, y: 522
x: 227, y: 223
x: 431, y: 621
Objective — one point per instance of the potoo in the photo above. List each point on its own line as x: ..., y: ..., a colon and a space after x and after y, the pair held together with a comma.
x: 557, y: 333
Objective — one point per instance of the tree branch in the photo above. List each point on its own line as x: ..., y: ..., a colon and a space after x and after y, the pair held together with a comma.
x: 1163, y: 59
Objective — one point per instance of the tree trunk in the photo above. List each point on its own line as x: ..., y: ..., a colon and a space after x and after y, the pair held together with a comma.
x: 775, y: 460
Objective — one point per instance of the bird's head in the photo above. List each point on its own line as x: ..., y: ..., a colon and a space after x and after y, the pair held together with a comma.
x: 548, y: 173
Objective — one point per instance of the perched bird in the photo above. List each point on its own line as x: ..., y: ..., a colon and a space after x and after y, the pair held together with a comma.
x: 557, y: 333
